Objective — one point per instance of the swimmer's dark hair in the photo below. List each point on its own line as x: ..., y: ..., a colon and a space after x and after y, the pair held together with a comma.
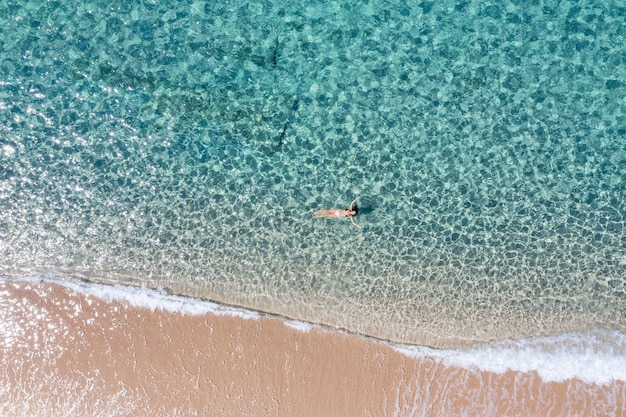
x: 355, y: 208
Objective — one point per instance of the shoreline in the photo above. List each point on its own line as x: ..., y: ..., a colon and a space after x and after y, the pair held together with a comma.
x: 599, y: 339
x: 93, y: 353
x: 427, y: 339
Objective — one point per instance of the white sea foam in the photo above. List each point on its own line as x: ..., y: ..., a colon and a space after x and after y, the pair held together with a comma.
x: 596, y: 356
x: 300, y: 326
x: 150, y: 299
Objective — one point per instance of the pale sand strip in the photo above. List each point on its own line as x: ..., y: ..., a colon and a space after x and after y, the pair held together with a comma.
x: 64, y: 353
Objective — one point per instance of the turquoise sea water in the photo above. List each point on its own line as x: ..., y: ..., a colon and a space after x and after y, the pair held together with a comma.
x: 183, y: 145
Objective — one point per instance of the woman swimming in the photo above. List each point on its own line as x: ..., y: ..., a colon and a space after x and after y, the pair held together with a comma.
x: 338, y: 213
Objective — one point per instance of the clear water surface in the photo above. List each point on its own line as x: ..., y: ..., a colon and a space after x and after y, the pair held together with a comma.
x: 183, y: 144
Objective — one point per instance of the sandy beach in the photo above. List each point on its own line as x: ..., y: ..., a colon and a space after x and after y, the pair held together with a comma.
x: 68, y: 353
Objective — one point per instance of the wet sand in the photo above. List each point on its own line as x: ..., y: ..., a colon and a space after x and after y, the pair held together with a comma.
x: 68, y: 353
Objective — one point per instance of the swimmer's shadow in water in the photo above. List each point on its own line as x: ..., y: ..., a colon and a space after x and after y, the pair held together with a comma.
x: 366, y: 210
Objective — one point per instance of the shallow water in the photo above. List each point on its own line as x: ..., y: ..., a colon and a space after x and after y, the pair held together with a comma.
x: 184, y: 146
